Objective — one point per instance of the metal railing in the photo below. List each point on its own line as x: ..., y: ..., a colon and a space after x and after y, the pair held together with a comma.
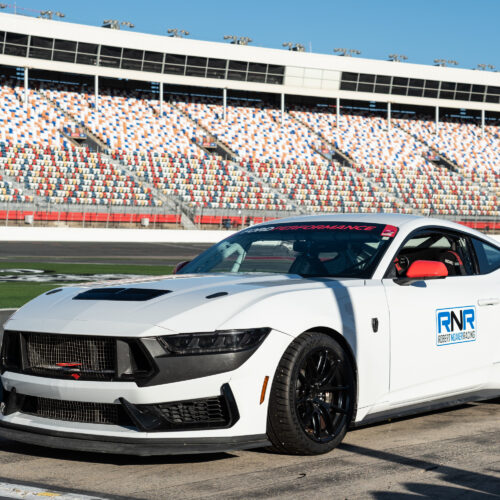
x: 47, y: 214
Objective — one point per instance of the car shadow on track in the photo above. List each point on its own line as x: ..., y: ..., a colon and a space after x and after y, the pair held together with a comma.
x: 463, y: 483
x: 7, y: 446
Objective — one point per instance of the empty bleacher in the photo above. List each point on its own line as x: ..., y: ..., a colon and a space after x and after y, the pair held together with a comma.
x: 71, y: 176
x: 397, y: 161
x: 153, y: 154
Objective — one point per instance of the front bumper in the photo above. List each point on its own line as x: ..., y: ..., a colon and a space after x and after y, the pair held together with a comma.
x: 129, y: 446
x: 245, y: 382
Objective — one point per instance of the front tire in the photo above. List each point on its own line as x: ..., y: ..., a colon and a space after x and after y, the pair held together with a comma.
x: 312, y: 398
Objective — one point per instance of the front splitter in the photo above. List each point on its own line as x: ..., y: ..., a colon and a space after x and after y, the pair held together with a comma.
x: 129, y: 446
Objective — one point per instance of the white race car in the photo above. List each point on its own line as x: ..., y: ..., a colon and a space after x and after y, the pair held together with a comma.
x: 284, y: 334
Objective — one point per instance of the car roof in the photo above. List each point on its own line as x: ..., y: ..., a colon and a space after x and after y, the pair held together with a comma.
x: 375, y: 218
x: 398, y: 220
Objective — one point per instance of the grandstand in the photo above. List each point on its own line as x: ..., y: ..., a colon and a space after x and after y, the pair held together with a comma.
x: 96, y: 121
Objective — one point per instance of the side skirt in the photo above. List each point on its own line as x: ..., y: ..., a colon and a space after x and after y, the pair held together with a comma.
x: 427, y: 406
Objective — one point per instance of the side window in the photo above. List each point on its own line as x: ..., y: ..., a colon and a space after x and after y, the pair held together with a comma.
x: 453, y: 250
x: 488, y: 256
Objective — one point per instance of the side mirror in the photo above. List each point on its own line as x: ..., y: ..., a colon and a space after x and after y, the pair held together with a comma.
x: 180, y: 265
x: 421, y: 269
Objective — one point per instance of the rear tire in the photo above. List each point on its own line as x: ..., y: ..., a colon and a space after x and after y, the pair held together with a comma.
x: 312, y: 398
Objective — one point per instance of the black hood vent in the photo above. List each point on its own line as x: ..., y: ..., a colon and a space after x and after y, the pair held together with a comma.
x: 121, y: 294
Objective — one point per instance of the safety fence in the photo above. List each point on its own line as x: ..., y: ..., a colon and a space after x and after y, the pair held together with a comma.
x: 165, y: 217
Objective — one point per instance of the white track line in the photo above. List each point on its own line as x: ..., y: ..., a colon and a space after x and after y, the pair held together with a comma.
x: 12, y: 490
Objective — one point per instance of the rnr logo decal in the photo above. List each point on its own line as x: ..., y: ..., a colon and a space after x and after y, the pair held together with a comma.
x: 456, y: 325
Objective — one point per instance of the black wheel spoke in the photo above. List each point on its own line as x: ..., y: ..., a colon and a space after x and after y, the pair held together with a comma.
x: 325, y: 413
x: 330, y: 373
x: 316, y: 424
x: 321, y: 364
x: 338, y: 409
x: 334, y: 388
x: 311, y: 372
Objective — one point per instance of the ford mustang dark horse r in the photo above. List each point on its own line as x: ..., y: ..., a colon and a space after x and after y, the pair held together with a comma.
x: 284, y: 334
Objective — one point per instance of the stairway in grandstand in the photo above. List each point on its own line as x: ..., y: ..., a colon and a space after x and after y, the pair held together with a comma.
x: 281, y: 154
x: 171, y: 202
x: 235, y: 160
x: 488, y: 180
x: 98, y: 143
x: 168, y: 137
x: 223, y: 147
x: 397, y: 160
x: 345, y: 159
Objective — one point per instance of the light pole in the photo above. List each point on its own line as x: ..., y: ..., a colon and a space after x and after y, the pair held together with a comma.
x: 297, y: 47
x: 114, y: 24
x: 238, y: 40
x: 347, y: 52
x: 445, y: 62
x: 397, y: 57
x: 485, y: 67
x: 177, y: 33
x: 48, y: 14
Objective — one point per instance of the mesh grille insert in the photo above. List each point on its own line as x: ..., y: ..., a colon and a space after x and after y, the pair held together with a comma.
x: 91, y: 358
x: 75, y: 411
x: 203, y: 411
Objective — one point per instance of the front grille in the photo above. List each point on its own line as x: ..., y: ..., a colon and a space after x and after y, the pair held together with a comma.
x: 75, y: 411
x: 92, y: 358
x: 205, y: 412
x: 196, y: 414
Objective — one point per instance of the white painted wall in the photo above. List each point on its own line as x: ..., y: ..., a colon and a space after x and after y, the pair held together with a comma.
x: 102, y: 235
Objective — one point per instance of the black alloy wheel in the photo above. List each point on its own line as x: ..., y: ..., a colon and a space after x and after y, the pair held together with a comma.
x: 322, y: 395
x: 312, y: 398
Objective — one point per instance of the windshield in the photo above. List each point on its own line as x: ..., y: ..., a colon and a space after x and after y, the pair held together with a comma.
x: 336, y: 249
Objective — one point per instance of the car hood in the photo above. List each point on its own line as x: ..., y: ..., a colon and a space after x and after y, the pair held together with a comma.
x: 190, y: 303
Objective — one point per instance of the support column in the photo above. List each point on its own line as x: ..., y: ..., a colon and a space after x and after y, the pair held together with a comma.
x: 160, y: 97
x: 483, y: 118
x: 437, y: 120
x: 224, y: 103
x: 282, y: 108
x: 388, y: 116
x: 338, y: 112
x: 26, y: 87
x: 96, y: 92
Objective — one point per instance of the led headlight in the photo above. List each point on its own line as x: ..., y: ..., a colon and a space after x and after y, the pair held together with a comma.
x: 189, y: 344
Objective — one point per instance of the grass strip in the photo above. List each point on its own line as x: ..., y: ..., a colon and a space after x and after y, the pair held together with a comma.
x: 15, y: 294
x: 71, y: 268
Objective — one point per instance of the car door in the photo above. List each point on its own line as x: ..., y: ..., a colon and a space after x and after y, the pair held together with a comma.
x: 439, y: 339
x: 488, y: 262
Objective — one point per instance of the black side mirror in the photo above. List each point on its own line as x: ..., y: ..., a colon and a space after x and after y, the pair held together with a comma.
x: 179, y: 266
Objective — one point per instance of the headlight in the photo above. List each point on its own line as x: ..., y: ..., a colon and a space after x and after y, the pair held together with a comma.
x: 189, y: 344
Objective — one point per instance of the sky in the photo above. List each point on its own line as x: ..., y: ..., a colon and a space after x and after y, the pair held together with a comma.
x: 423, y: 30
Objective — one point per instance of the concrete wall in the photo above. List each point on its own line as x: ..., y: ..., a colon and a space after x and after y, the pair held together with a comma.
x: 103, y: 235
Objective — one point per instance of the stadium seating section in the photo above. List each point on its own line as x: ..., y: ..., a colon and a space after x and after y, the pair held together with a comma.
x: 302, y: 160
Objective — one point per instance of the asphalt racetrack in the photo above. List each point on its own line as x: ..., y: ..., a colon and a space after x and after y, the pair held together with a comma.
x: 454, y: 453
x: 122, y: 253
